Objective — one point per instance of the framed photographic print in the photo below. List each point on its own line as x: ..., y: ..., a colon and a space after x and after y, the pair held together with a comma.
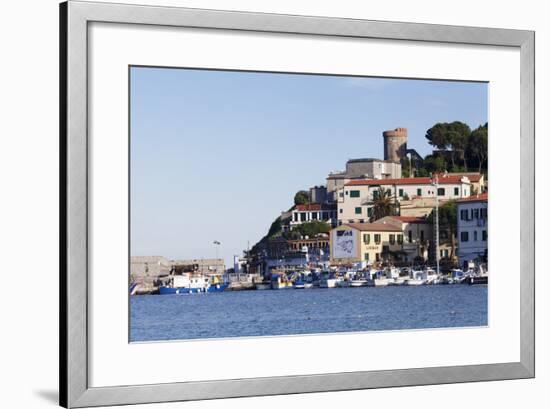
x: 259, y: 204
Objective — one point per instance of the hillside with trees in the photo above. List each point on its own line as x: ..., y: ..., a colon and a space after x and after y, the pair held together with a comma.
x: 457, y: 148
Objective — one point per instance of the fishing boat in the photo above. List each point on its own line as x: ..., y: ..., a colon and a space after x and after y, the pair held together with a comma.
x: 381, y: 282
x: 188, y: 283
x: 414, y: 281
x: 328, y: 282
x: 398, y: 281
x: 379, y: 279
x: 280, y: 282
x: 416, y: 277
x: 359, y: 282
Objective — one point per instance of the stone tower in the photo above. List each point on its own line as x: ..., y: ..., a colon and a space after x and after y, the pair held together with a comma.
x: 395, y: 144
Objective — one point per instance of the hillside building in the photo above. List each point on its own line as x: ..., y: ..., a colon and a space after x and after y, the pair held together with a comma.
x: 356, y: 200
x: 472, y: 228
x: 367, y: 243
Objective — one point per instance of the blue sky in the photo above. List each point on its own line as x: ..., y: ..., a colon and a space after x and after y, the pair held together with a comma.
x: 217, y: 155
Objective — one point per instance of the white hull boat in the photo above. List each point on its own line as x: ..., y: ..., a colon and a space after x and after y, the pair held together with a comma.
x: 359, y: 283
x: 328, y: 283
x: 381, y: 282
x: 414, y: 281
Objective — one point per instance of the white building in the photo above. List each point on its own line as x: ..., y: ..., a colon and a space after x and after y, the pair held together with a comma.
x: 472, y: 228
x: 365, y: 168
x: 312, y: 212
x: 356, y: 199
x: 417, y: 235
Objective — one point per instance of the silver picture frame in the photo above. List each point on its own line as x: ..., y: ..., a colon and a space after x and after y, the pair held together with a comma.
x: 75, y: 16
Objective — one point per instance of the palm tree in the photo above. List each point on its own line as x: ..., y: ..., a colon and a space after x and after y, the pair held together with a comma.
x: 383, y: 204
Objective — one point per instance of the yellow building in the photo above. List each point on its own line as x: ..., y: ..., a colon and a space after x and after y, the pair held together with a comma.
x: 365, y: 242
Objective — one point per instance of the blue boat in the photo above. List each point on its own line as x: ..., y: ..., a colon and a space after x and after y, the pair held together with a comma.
x: 216, y: 288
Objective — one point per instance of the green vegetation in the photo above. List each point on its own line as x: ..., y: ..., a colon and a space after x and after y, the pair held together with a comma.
x: 459, y: 149
x: 384, y: 204
x: 275, y: 228
x: 310, y: 229
x: 301, y: 198
x: 477, y: 147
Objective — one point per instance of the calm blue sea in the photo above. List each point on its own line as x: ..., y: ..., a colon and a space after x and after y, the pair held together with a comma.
x: 309, y: 311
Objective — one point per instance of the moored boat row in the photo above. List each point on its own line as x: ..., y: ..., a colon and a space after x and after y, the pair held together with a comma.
x: 390, y: 276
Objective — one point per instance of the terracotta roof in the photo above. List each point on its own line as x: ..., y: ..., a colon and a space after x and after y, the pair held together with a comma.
x: 376, y: 226
x: 474, y: 176
x: 443, y: 180
x: 483, y: 197
x: 314, y: 206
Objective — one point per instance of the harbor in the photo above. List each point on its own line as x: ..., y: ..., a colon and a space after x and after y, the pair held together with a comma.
x: 189, y: 279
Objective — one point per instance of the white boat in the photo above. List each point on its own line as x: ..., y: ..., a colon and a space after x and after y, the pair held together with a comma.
x: 308, y: 285
x: 328, y: 282
x: 361, y: 282
x: 381, y: 282
x: 398, y: 281
x: 414, y: 281
x: 431, y: 276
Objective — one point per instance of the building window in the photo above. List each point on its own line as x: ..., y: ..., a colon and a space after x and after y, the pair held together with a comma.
x: 441, y: 191
x: 392, y: 239
x: 457, y: 191
x: 366, y: 256
x: 354, y: 193
x: 377, y: 256
x: 302, y: 217
x: 422, y: 236
x: 314, y: 215
x: 399, y: 239
x: 410, y: 236
x: 361, y: 220
x: 375, y: 195
x: 419, y: 192
x: 484, y: 235
x: 401, y: 193
x: 347, y: 193
x: 475, y: 235
x: 366, y: 238
x: 377, y: 238
x: 295, y: 217
x: 464, y: 236
x: 464, y: 214
x: 341, y: 211
x: 357, y: 210
x: 369, y: 211
x: 476, y: 213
